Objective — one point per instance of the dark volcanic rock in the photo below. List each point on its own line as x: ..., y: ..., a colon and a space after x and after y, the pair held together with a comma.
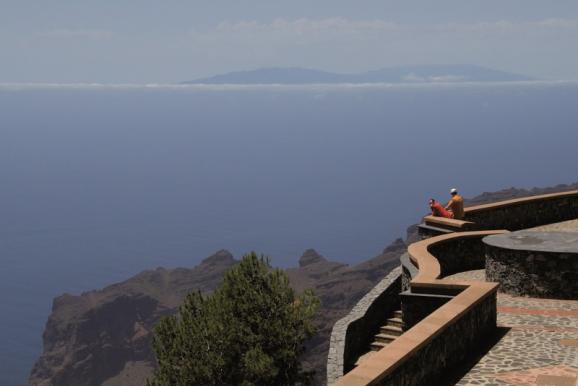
x: 103, y: 337
x: 309, y: 257
x: 222, y: 257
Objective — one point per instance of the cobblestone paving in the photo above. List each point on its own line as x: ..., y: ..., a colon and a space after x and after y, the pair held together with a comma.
x: 539, y: 348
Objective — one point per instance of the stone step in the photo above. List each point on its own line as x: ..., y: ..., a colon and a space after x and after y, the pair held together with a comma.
x: 427, y: 230
x: 384, y: 338
x: 376, y: 346
x: 398, y: 314
x: 364, y: 357
x: 397, y: 322
x: 391, y: 330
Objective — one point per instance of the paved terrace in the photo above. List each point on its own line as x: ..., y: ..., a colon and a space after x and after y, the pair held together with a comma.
x: 537, y: 338
x: 537, y: 343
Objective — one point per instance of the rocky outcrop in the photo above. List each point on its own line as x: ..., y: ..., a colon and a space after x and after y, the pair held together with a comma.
x: 339, y: 287
x: 104, y: 337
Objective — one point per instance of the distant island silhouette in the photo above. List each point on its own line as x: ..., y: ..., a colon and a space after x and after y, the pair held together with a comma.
x: 402, y: 74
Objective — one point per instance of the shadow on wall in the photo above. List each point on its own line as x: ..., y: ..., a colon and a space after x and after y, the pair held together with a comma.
x: 477, y: 353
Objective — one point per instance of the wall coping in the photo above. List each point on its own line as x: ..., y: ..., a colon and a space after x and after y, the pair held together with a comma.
x: 518, y: 201
x: 428, y: 265
x: 452, y: 222
x: 384, y: 362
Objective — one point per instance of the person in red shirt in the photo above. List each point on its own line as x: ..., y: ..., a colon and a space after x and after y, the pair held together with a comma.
x: 438, y: 210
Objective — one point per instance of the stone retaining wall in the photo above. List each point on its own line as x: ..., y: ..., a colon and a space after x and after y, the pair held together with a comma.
x: 417, y: 306
x: 448, y: 348
x: 408, y: 271
x: 525, y: 213
x: 530, y: 273
x: 458, y: 255
x: 352, y: 335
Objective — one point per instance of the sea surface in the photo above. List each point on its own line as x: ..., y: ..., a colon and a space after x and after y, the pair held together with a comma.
x: 100, y: 182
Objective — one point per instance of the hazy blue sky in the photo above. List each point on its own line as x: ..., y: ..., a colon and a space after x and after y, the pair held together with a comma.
x: 168, y: 41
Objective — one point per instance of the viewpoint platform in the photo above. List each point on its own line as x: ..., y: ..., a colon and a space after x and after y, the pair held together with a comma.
x: 539, y: 337
x: 537, y: 342
x: 490, y: 300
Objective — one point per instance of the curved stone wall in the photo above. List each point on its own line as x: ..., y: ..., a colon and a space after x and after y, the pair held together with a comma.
x: 458, y: 255
x: 352, y: 334
x: 422, y: 353
x: 536, y: 264
x: 523, y: 213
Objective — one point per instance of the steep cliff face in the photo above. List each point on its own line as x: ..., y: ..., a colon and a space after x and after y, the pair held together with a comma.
x: 104, y: 337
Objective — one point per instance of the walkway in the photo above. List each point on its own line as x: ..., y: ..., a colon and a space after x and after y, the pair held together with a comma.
x: 537, y: 343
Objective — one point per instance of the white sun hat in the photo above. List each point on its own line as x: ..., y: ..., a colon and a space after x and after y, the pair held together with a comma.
x: 453, y: 190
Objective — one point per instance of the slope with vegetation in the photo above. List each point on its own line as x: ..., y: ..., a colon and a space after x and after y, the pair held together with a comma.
x: 250, y: 331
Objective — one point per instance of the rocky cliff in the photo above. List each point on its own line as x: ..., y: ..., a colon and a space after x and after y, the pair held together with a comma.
x: 103, y: 337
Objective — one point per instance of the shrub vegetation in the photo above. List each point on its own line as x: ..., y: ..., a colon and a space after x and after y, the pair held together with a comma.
x: 250, y: 331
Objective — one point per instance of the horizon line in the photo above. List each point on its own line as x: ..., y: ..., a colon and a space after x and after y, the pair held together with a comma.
x: 22, y: 86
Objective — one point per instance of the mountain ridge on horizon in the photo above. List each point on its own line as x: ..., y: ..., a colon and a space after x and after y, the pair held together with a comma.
x: 401, y: 74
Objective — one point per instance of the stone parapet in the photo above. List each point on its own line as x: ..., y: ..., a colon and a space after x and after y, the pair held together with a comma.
x: 441, y: 340
x: 415, y: 307
x: 447, y: 317
x: 352, y: 334
x: 454, y: 255
x: 523, y: 213
x: 408, y: 271
x: 446, y: 346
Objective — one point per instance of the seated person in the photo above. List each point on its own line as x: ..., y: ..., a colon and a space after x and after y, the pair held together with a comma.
x: 456, y: 205
x: 438, y: 210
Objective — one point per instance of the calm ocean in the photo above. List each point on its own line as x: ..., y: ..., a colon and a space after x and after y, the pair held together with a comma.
x: 99, y: 183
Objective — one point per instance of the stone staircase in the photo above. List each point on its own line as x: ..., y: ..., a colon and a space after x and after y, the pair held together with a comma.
x: 387, y: 334
x: 435, y: 226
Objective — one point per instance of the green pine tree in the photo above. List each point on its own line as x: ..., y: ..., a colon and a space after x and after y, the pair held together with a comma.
x: 250, y: 331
